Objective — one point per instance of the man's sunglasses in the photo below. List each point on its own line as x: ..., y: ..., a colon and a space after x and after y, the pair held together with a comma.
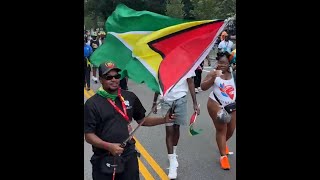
x: 109, y: 77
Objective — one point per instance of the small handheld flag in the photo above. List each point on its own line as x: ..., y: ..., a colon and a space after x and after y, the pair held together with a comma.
x: 193, y: 119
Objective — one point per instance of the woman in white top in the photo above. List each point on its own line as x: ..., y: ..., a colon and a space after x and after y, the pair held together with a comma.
x: 222, y: 96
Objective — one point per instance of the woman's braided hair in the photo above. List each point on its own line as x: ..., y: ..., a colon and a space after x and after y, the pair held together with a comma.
x: 221, y: 54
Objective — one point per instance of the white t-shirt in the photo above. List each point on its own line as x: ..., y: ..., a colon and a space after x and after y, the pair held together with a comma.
x: 179, y: 90
x: 225, y: 46
x: 225, y: 90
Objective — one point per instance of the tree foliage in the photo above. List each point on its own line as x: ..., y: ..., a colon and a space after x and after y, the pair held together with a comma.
x: 201, y: 9
x: 174, y: 9
x: 102, y: 9
x: 97, y: 11
x: 188, y: 7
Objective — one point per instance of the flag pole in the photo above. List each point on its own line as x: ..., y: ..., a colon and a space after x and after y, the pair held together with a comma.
x: 124, y: 143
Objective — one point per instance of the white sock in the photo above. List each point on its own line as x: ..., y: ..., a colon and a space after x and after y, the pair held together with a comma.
x: 171, y: 156
x: 174, y: 149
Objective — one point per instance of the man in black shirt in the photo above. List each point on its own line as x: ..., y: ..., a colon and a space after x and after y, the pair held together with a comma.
x: 107, y: 117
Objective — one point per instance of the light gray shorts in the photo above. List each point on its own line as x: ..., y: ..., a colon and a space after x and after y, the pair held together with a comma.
x: 180, y: 111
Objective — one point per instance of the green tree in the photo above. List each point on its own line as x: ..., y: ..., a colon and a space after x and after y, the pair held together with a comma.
x: 157, y: 6
x: 225, y: 8
x: 202, y: 9
x: 100, y: 10
x: 97, y: 11
x: 214, y: 9
x: 174, y: 8
x: 188, y: 8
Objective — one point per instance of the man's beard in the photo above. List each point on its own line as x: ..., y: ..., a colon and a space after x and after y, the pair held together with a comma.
x: 112, y: 90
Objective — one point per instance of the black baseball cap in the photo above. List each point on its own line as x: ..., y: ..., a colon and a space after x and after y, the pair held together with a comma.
x: 106, y: 67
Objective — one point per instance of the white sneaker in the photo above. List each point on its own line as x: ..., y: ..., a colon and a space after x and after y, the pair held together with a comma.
x: 199, y: 89
x: 94, y: 79
x: 173, y: 160
x: 196, y: 90
x: 159, y: 106
x: 172, y: 172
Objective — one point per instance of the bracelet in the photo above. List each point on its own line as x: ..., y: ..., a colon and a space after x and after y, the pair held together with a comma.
x: 154, y: 102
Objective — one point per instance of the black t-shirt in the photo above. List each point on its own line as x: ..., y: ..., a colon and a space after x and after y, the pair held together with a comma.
x: 101, y: 118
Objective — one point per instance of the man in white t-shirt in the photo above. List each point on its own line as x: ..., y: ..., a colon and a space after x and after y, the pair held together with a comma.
x: 225, y: 45
x: 176, y: 98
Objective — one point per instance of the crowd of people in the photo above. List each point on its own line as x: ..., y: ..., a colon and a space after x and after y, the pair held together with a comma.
x: 92, y: 40
x: 109, y: 113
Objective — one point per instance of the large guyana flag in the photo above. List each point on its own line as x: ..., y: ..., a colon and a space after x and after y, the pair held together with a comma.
x: 154, y: 49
